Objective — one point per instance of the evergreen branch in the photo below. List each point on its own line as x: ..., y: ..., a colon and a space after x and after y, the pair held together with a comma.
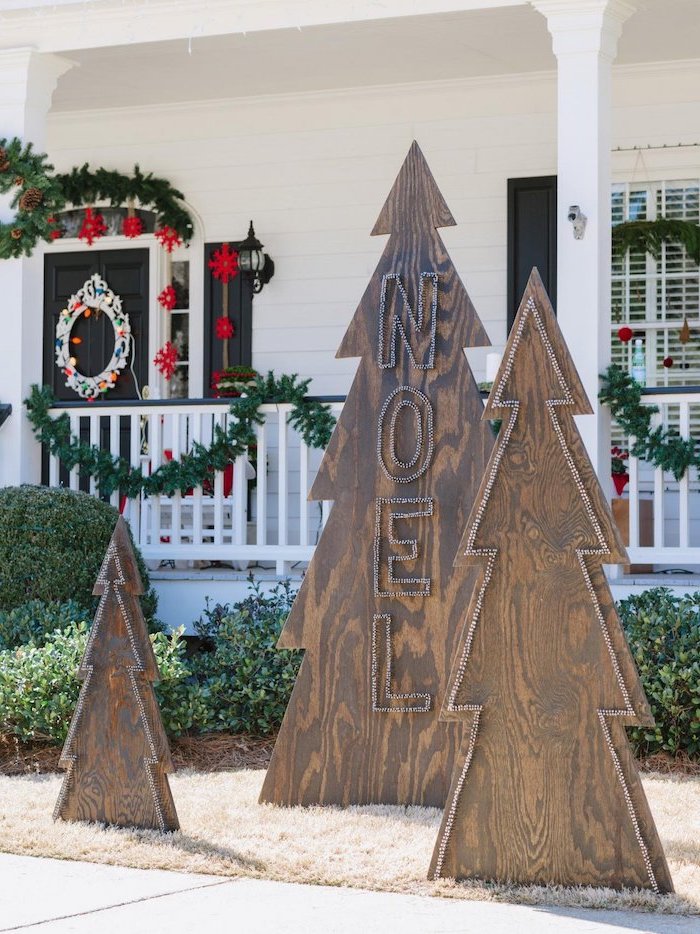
x: 650, y: 236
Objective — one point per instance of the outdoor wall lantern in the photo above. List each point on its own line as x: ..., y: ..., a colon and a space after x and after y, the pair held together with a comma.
x: 254, y: 262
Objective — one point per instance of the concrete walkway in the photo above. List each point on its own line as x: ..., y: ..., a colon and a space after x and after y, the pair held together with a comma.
x: 59, y: 897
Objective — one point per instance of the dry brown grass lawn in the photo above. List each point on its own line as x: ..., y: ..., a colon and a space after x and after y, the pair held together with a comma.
x: 225, y: 832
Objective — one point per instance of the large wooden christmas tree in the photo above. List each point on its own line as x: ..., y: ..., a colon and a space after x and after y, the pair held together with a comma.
x: 546, y: 789
x: 116, y: 752
x: 379, y: 610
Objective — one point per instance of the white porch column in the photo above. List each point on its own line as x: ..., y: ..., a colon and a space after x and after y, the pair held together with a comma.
x: 27, y: 82
x: 585, y: 34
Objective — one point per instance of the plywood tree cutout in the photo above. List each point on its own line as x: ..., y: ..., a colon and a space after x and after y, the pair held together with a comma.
x: 378, y: 612
x: 116, y: 752
x: 546, y: 789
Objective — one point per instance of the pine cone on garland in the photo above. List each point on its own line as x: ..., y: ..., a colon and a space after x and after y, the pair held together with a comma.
x: 19, y: 181
x: 15, y: 233
x: 4, y: 161
x: 31, y: 199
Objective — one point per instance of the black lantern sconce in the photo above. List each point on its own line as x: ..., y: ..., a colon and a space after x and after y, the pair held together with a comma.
x: 254, y: 262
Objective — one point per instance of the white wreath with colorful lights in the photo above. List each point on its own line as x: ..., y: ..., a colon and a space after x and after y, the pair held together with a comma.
x: 94, y: 296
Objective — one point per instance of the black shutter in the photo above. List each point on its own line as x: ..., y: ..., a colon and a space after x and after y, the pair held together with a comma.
x: 532, y: 236
x: 240, y: 311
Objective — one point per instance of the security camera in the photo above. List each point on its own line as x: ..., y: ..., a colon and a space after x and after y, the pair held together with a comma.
x: 578, y: 220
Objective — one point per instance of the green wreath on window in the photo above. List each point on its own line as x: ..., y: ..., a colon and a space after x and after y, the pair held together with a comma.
x: 37, y: 198
x: 650, y: 236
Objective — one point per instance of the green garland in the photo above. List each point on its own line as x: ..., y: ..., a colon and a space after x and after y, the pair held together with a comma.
x: 659, y: 446
x: 37, y: 198
x: 81, y: 186
x: 649, y: 237
x: 313, y: 420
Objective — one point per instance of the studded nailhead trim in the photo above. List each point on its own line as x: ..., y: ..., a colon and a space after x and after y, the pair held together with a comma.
x: 491, y: 553
x: 416, y: 321
x: 389, y: 696
x: 66, y: 755
x: 423, y: 582
x: 425, y: 407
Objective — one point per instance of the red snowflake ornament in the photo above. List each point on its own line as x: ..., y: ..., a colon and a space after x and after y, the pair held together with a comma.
x: 132, y: 227
x: 224, y: 263
x: 167, y: 298
x: 224, y: 328
x: 93, y: 227
x: 165, y: 359
x: 168, y: 238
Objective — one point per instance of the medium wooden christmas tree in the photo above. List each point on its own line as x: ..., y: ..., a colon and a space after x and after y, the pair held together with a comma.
x: 379, y: 610
x: 546, y: 789
x: 116, y: 752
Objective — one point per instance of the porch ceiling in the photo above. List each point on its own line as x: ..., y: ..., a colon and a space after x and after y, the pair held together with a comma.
x: 471, y: 43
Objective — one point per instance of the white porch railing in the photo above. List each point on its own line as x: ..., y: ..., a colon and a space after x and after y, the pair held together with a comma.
x: 672, y: 521
x: 257, y: 511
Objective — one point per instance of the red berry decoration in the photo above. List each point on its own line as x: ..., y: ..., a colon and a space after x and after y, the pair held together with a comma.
x: 168, y: 238
x: 224, y: 263
x: 165, y: 359
x: 625, y: 334
x: 224, y: 328
x: 132, y: 227
x: 668, y: 362
x: 93, y: 227
x: 167, y: 298
x: 56, y: 234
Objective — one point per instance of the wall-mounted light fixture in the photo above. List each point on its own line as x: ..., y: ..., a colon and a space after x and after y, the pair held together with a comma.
x: 254, y: 262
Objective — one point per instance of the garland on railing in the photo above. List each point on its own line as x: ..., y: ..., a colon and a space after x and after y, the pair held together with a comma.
x: 650, y: 236
x: 312, y: 419
x: 662, y: 447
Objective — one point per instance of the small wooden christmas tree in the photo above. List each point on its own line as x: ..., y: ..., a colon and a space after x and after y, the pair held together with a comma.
x: 546, y: 789
x: 116, y: 752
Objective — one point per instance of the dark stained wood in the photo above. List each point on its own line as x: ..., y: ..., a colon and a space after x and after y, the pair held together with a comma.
x: 545, y: 789
x: 116, y: 753
x: 348, y: 736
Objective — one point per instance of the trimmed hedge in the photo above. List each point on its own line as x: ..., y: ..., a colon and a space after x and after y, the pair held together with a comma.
x: 664, y: 635
x: 52, y: 542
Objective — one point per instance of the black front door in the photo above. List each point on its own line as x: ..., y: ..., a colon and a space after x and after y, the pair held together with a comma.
x: 126, y: 273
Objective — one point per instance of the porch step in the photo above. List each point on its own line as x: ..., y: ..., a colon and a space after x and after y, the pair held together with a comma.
x: 183, y: 592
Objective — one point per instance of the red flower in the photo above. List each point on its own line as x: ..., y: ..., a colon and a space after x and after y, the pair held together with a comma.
x: 167, y: 298
x: 224, y: 264
x: 93, y: 227
x: 224, y: 328
x: 625, y: 334
x: 132, y: 227
x: 168, y: 238
x: 165, y: 359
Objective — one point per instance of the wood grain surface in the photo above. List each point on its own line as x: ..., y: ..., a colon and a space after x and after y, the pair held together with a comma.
x: 545, y: 789
x: 116, y: 753
x: 362, y: 724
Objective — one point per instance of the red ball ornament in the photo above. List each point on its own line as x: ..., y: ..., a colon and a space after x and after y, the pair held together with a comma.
x: 224, y: 328
x: 132, y: 227
x: 625, y: 334
x: 668, y: 362
x: 167, y: 298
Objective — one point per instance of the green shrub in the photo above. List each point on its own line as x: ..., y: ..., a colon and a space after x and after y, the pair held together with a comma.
x: 245, y: 681
x: 52, y: 542
x: 664, y: 635
x: 39, y: 688
x: 30, y: 623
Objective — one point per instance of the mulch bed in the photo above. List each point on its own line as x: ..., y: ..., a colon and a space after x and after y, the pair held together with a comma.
x: 211, y: 752
x: 225, y: 752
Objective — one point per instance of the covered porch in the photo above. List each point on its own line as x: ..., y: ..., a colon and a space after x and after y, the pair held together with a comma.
x: 301, y: 123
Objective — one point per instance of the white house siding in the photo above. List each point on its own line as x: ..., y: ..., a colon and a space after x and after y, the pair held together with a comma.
x: 313, y: 171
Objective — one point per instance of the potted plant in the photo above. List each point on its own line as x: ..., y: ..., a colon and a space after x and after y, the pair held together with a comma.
x: 618, y: 467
